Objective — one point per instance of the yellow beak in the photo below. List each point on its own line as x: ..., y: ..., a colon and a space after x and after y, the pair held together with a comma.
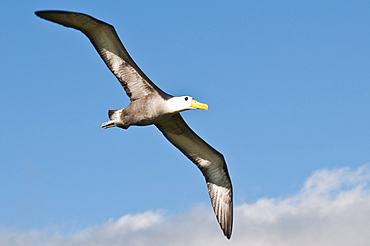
x: 196, y: 104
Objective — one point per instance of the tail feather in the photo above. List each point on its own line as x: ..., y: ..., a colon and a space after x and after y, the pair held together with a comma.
x: 114, y: 119
x: 111, y: 114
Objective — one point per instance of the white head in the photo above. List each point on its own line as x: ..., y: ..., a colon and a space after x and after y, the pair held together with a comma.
x: 178, y: 104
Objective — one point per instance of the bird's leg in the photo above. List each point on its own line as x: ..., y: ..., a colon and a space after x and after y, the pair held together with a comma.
x: 108, y: 124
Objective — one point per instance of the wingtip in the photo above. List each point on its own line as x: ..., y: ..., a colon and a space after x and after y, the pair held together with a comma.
x: 221, y: 199
x: 51, y: 14
x: 40, y: 13
x: 227, y: 231
x: 226, y: 225
x: 45, y: 13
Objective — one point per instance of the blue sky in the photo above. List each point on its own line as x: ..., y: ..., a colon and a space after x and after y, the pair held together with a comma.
x: 287, y: 84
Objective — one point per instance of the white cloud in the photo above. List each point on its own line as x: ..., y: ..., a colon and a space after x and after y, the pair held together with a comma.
x: 332, y: 208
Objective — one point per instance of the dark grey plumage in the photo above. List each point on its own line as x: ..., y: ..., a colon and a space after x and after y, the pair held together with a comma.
x: 150, y: 105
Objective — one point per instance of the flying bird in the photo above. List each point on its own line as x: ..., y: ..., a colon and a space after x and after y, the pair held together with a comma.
x: 150, y: 105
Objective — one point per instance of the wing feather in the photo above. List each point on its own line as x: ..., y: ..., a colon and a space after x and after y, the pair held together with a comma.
x: 107, y: 43
x: 136, y: 84
x: 209, y: 161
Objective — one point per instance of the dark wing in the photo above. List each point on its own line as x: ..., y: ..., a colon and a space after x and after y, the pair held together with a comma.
x: 106, y: 41
x: 209, y: 161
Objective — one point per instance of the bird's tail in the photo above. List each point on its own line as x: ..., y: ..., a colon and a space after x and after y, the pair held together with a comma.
x: 114, y: 116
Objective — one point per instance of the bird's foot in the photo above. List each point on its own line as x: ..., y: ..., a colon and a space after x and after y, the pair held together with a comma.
x: 108, y: 124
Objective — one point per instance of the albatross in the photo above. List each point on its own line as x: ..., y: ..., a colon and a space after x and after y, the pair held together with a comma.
x: 149, y: 105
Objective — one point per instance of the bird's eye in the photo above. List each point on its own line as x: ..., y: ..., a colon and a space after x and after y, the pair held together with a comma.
x: 186, y: 98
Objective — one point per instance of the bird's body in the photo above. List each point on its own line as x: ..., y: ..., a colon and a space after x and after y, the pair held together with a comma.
x: 150, y: 105
x: 136, y: 113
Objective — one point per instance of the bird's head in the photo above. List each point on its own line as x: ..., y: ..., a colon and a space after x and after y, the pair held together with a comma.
x: 178, y: 104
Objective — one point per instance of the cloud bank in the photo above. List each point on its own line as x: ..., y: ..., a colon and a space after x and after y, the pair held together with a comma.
x: 332, y: 208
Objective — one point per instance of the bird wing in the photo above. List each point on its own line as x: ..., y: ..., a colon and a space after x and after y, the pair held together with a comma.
x: 209, y: 161
x: 106, y: 41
